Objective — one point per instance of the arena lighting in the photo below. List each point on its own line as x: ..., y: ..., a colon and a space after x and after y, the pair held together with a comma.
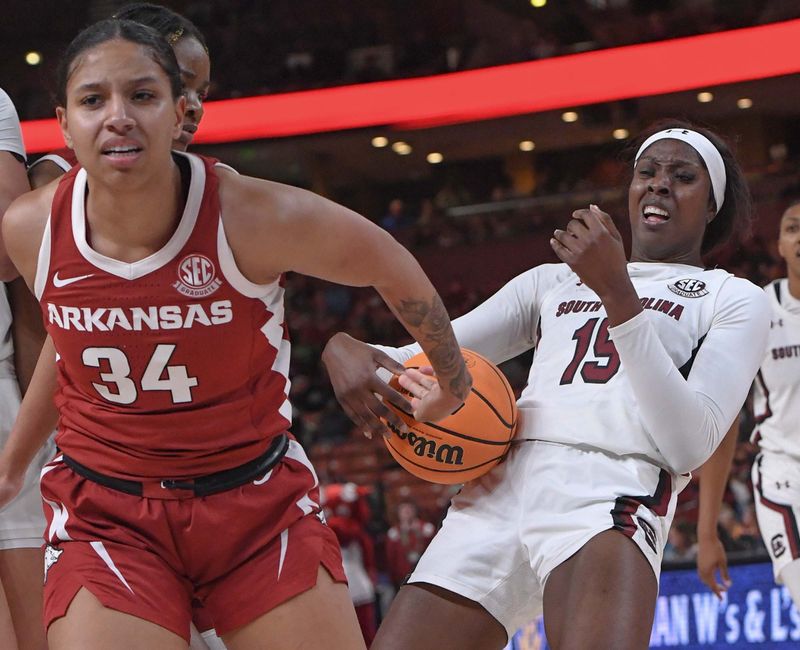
x: 569, y: 117
x: 33, y: 58
x: 527, y: 145
x: 620, y: 134
x: 705, y: 97
x: 550, y: 84
x: 380, y: 141
x: 434, y: 158
x: 744, y: 103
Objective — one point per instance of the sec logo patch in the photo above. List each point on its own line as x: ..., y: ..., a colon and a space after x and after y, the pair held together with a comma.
x: 197, y: 276
x: 689, y: 288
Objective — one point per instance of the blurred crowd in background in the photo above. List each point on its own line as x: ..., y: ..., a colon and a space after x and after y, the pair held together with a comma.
x: 269, y: 47
x: 464, y: 224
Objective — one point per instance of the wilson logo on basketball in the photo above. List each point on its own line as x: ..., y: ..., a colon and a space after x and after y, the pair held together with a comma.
x: 197, y: 276
x: 442, y: 453
x: 689, y: 288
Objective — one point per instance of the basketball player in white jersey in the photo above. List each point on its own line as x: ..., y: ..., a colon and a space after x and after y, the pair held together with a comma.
x: 776, y: 410
x: 22, y: 520
x: 639, y: 371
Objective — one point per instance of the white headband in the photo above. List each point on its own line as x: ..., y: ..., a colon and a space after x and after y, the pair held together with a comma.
x: 707, y: 151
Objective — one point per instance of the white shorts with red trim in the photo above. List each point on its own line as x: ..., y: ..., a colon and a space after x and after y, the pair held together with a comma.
x: 505, y: 532
x: 776, y: 486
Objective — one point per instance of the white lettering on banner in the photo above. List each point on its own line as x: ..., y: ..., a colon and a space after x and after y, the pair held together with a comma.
x: 753, y: 613
x: 732, y: 621
x: 777, y: 631
x: 679, y: 612
x: 754, y: 617
x: 794, y: 615
x: 706, y: 616
x: 671, y: 625
x: 165, y: 317
x: 661, y: 634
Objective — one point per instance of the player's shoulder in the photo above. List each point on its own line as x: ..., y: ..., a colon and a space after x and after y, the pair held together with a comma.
x: 33, y: 206
x: 24, y: 225
x: 739, y: 291
x: 774, y: 290
x: 548, y: 274
x: 6, y: 105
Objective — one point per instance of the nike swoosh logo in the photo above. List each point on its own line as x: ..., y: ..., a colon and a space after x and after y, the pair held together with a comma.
x: 63, y: 282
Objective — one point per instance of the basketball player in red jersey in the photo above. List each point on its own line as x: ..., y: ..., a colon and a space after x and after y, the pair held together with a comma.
x: 159, y: 278
x: 191, y: 52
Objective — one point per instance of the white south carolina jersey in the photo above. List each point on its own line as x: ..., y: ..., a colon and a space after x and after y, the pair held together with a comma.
x: 10, y: 140
x: 665, y: 385
x: 776, y: 394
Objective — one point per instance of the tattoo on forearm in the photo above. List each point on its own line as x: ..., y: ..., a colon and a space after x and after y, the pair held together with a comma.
x: 436, y: 335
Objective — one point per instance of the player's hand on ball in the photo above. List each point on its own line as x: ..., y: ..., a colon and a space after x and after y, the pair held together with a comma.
x: 351, y: 366
x: 592, y: 246
x: 428, y: 401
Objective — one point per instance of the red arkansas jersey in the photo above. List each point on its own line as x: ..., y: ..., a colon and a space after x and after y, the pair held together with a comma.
x: 173, y: 366
x: 64, y: 158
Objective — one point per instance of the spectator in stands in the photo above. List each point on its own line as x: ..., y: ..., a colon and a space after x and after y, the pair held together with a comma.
x: 406, y: 541
x: 347, y: 514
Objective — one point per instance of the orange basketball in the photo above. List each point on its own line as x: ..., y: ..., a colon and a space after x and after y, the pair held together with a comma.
x: 467, y: 443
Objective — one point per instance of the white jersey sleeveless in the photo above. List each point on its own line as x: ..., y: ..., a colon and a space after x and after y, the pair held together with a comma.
x: 776, y: 394
x: 680, y: 368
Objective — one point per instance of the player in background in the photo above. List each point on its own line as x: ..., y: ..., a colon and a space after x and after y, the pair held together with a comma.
x: 191, y: 52
x: 149, y: 420
x: 776, y: 412
x: 639, y: 370
x: 22, y: 520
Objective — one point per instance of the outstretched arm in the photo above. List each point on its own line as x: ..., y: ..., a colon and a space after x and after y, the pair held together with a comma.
x: 274, y: 228
x: 500, y: 328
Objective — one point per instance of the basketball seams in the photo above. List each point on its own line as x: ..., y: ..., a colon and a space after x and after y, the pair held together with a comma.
x: 512, y: 402
x: 491, y: 407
